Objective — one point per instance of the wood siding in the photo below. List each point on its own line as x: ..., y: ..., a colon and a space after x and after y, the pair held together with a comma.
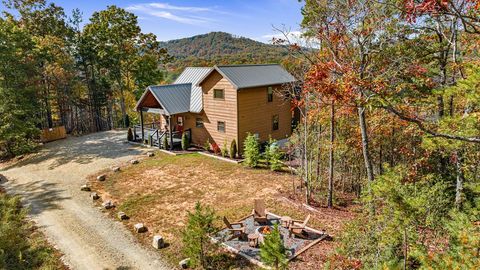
x: 215, y: 110
x: 256, y: 114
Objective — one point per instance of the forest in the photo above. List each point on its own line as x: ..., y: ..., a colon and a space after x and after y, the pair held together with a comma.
x: 389, y: 104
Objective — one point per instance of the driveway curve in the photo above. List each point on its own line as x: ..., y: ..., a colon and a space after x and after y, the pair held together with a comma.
x: 50, y: 184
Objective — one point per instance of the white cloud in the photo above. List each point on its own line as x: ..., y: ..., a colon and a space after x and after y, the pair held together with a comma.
x: 181, y: 14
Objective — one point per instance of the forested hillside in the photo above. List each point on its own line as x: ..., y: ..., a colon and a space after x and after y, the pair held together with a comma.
x: 217, y: 48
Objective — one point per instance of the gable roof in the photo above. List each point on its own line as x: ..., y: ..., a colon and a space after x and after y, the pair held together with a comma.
x: 247, y: 76
x: 193, y: 75
x: 174, y: 98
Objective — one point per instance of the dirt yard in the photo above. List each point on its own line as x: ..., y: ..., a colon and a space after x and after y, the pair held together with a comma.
x: 160, y: 190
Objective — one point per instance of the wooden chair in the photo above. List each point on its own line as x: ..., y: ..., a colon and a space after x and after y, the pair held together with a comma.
x: 259, y: 212
x: 297, y: 227
x: 238, y: 232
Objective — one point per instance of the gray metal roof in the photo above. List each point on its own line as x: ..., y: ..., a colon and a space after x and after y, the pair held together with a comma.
x: 247, y: 76
x: 174, y: 98
x: 193, y: 75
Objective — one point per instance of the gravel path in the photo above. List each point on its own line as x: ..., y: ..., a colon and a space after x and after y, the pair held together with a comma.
x: 50, y: 184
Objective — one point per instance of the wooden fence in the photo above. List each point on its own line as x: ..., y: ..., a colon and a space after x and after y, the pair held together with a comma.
x: 53, y: 134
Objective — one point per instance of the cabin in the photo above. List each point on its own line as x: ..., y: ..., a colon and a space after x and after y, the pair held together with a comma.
x: 218, y: 105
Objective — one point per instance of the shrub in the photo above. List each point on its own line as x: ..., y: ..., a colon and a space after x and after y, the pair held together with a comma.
x: 185, y: 141
x: 233, y: 149
x: 206, y: 145
x: 272, y: 251
x: 215, y: 148
x: 274, y: 156
x: 225, y: 149
x: 130, y: 135
x: 251, y: 151
x: 196, y: 242
x: 165, y: 142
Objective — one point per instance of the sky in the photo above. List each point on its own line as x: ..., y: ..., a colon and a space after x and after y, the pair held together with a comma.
x: 175, y: 19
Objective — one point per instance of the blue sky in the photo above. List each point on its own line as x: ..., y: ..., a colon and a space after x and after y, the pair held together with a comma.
x: 176, y: 19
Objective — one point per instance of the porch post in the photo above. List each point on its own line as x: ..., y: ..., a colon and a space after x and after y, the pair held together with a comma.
x: 170, y: 131
x: 141, y: 125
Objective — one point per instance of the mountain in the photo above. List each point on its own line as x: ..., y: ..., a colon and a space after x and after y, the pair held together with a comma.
x: 219, y: 48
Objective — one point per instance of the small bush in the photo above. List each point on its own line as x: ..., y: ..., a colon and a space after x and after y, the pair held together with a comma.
x: 185, y: 141
x: 272, y: 251
x: 273, y: 156
x: 196, y: 242
x: 206, y: 145
x: 233, y: 149
x: 130, y: 135
x: 165, y: 142
x: 215, y: 148
x: 225, y: 149
x: 251, y: 151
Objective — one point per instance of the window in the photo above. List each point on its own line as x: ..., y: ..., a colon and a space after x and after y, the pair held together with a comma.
x: 180, y: 121
x: 199, y: 122
x: 218, y: 93
x: 221, y: 126
x: 275, y: 122
x: 270, y: 94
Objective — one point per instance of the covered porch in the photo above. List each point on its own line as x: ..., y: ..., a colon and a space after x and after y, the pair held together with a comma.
x: 164, y: 104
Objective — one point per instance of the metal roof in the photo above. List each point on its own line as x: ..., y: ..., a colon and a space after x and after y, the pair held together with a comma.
x: 247, y: 76
x: 193, y: 75
x: 174, y: 98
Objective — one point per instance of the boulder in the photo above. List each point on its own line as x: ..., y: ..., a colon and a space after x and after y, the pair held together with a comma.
x: 158, y: 242
x: 108, y: 205
x: 116, y: 169
x: 122, y: 216
x: 150, y: 154
x: 94, y: 196
x: 101, y: 177
x: 184, y: 263
x: 139, y: 228
x: 134, y: 161
x: 85, y: 188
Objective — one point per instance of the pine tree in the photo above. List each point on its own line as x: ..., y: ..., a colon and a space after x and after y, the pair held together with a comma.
x: 185, y: 141
x: 196, y: 242
x: 272, y: 251
x: 251, y: 151
x: 233, y: 149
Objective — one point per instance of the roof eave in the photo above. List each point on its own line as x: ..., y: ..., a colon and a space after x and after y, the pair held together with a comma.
x: 221, y: 73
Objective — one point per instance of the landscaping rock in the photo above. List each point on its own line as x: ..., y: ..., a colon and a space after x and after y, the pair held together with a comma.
x: 108, y: 205
x: 150, y: 154
x: 134, y: 161
x: 94, y: 196
x: 116, y: 169
x: 184, y: 263
x: 85, y: 188
x: 20, y: 157
x: 101, y: 177
x: 122, y: 216
x: 139, y: 228
x: 158, y: 242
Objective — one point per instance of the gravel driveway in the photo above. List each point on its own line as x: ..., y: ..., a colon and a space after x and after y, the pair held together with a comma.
x: 50, y: 184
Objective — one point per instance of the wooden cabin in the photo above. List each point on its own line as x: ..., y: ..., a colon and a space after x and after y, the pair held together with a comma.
x: 220, y: 104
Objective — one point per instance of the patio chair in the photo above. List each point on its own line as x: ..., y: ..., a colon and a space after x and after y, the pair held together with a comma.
x: 236, y: 232
x: 259, y: 212
x: 297, y: 227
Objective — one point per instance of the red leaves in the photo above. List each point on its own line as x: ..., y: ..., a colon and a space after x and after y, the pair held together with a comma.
x: 433, y: 7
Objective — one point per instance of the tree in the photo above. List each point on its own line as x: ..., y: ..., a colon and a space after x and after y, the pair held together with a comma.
x: 233, y: 149
x: 185, y: 141
x: 273, y: 155
x: 196, y: 240
x: 272, y: 250
x: 251, y: 151
x: 331, y: 159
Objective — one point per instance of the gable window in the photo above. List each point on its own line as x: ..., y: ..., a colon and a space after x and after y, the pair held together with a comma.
x: 218, y: 94
x: 275, y: 122
x: 199, y: 122
x: 221, y: 126
x: 269, y: 94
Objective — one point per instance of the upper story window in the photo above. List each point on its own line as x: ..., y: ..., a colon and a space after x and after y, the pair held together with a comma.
x: 199, y: 122
x: 218, y: 93
x: 269, y: 94
x: 275, y: 122
x: 221, y: 126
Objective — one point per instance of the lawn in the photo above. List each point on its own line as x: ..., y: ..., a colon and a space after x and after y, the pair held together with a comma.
x: 160, y: 190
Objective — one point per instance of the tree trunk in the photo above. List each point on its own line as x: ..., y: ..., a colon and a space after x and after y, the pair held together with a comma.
x: 365, y: 145
x: 332, y: 139
x: 460, y: 180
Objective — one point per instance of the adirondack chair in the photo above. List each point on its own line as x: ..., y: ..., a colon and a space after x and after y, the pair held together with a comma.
x: 297, y: 227
x: 259, y: 212
x: 236, y: 232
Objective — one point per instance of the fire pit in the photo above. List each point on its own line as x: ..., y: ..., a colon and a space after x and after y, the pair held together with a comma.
x: 264, y: 230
